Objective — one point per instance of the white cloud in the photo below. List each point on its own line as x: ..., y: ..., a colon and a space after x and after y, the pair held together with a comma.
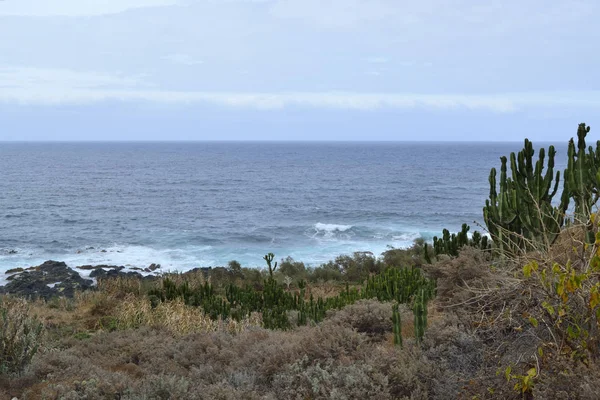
x: 28, y: 78
x: 36, y: 86
x: 182, y: 59
x: 74, y: 8
x: 261, y: 101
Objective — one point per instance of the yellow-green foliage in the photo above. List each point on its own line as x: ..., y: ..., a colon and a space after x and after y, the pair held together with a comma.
x: 570, y: 306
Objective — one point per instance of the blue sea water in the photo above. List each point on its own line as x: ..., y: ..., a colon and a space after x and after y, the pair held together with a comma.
x: 187, y: 205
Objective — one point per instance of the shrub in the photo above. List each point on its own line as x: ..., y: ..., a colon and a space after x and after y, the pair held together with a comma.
x: 294, y: 269
x: 234, y: 266
x: 330, y: 380
x: 325, y: 273
x: 410, y: 257
x: 366, y: 316
x: 164, y: 387
x: 20, y: 335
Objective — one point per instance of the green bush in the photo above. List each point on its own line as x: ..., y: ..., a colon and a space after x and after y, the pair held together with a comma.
x: 294, y: 269
x: 355, y: 268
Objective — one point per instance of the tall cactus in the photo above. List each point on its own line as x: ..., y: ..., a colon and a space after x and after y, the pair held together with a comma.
x: 582, y: 175
x: 541, y: 221
x: 522, y: 212
x: 269, y: 259
x: 420, y: 315
x: 500, y: 211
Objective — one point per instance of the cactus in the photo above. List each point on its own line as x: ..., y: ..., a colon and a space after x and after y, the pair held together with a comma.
x: 521, y: 213
x: 500, y: 211
x: 540, y: 220
x: 269, y: 259
x: 426, y: 254
x: 420, y: 315
x: 582, y: 177
x: 451, y: 244
x: 397, y: 325
x: 401, y: 285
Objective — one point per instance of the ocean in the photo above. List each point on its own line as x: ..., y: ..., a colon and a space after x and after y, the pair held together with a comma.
x: 198, y: 204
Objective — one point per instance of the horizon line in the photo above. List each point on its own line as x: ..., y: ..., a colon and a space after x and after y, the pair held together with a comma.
x: 255, y: 141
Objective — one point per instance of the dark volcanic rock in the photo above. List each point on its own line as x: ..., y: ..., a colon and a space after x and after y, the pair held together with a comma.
x: 94, y: 267
x: 14, y: 270
x: 113, y: 272
x: 86, y: 267
x: 52, y: 278
x: 154, y: 267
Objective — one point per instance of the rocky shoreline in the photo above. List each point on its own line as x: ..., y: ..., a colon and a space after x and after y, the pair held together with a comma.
x: 55, y: 278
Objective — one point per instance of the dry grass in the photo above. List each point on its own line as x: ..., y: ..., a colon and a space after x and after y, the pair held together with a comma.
x: 176, y: 317
x: 122, y: 285
x: 324, y: 289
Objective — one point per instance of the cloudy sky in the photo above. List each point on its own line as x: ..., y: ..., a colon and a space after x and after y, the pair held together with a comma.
x: 298, y: 69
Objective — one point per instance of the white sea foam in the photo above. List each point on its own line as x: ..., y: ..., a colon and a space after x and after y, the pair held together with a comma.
x: 142, y: 257
x: 407, y: 237
x: 182, y: 259
x: 330, y: 232
x: 332, y: 227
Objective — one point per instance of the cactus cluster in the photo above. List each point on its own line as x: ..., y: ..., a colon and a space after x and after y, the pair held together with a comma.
x: 522, y: 213
x: 402, y: 285
x: 398, y: 284
x: 450, y: 244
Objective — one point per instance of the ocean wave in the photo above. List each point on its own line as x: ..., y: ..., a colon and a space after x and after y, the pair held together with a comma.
x: 330, y: 232
x: 180, y: 259
x: 407, y: 237
x: 332, y: 227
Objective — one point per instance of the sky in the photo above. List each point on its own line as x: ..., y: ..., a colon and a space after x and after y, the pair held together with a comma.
x: 494, y: 70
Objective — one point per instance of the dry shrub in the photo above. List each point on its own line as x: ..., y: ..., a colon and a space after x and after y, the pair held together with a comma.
x: 368, y: 316
x: 20, y: 335
x: 457, y: 353
x: 121, y: 286
x: 330, y: 360
x: 330, y: 380
x: 324, y: 289
x: 496, y: 316
x: 569, y: 245
x: 163, y: 387
x: 88, y: 310
x: 409, y: 374
x: 175, y: 316
x: 456, y: 276
x: 195, y: 279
